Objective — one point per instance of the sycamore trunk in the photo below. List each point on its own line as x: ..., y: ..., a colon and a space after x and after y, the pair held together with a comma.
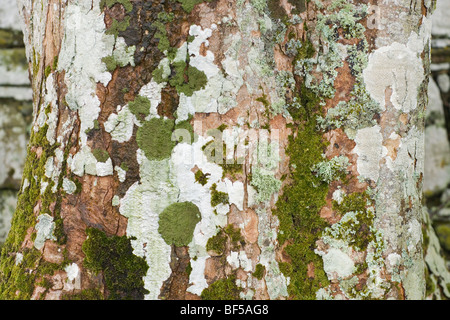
x: 221, y: 149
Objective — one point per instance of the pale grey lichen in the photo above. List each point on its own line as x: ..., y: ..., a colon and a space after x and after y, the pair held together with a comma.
x: 69, y: 186
x: 332, y: 169
x: 44, y: 230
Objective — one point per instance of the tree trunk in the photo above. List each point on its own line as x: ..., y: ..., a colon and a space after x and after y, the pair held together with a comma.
x: 222, y: 150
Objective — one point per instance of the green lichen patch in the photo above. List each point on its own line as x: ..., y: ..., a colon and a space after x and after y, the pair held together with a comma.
x: 222, y: 289
x: 101, y: 155
x: 118, y: 26
x: 155, y: 138
x: 218, y: 197
x: 187, y: 79
x: 110, y: 62
x: 113, y: 256
x: 360, y: 110
x: 140, y: 107
x: 184, y: 132
x: 177, y: 223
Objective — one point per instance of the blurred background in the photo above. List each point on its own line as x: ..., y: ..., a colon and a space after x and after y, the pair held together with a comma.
x: 16, y: 116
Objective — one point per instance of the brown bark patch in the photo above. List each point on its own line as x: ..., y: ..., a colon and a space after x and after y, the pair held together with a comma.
x: 53, y: 253
x: 174, y: 288
x: 250, y: 231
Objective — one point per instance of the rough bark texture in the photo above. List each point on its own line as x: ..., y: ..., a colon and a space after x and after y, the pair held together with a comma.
x: 299, y: 171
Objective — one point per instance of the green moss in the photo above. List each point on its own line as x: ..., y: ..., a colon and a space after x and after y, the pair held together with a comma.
x: 223, y: 289
x: 232, y: 169
x: 140, y: 107
x: 201, y: 177
x: 24, y: 219
x: 301, y: 200
x: 177, y: 223
x: 109, y: 3
x: 352, y: 202
x: 234, y: 234
x: 356, y: 225
x: 86, y: 294
x: 217, y: 243
x: 55, y: 63
x: 263, y: 100
x: 188, y: 269
x: 188, y: 5
x: 155, y: 138
x: 218, y: 197
x: 48, y: 70
x: 259, y: 271
x: 222, y: 127
x: 276, y: 10
x: 101, y: 155
x: 122, y: 270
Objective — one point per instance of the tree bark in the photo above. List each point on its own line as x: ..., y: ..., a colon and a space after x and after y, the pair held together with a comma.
x: 222, y: 150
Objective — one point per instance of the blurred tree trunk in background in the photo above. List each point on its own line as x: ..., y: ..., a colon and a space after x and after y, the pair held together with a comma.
x: 15, y: 111
x: 212, y: 149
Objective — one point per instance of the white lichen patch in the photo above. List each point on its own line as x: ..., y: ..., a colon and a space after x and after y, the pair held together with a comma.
x: 220, y: 91
x: 240, y: 260
x: 19, y: 258
x: 69, y: 186
x: 72, y: 271
x: 84, y: 46
x: 122, y: 54
x: 85, y: 162
x: 369, y: 150
x: 44, y: 228
x: 142, y: 204
x: 120, y: 125
x: 336, y: 263
x: 235, y: 192
x: 396, y: 67
x: 121, y: 174
x: 276, y: 282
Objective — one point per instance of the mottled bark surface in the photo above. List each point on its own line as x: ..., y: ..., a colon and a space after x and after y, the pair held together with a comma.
x: 222, y: 150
